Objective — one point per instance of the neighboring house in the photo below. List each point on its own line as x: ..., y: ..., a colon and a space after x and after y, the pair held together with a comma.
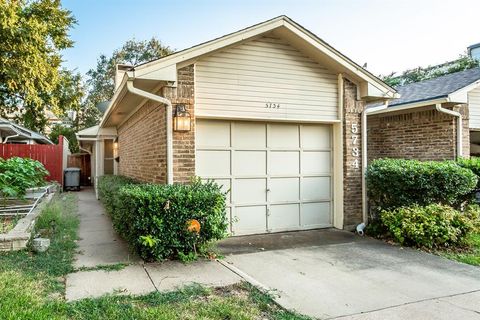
x: 11, y: 132
x: 271, y: 112
x: 432, y: 120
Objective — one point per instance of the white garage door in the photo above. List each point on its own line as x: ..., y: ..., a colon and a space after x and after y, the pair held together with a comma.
x: 279, y: 175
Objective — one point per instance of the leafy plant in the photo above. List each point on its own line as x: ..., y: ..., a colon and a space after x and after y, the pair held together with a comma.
x: 160, y: 221
x: 19, y: 174
x: 394, y: 183
x: 431, y: 226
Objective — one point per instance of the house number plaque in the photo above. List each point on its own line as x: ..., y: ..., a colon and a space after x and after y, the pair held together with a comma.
x: 355, y: 149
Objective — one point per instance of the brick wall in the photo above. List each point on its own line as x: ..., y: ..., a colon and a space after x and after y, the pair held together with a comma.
x: 352, y: 165
x: 424, y: 134
x: 142, y: 138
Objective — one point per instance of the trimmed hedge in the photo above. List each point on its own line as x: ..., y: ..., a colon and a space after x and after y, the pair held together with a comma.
x: 394, y: 183
x: 473, y: 164
x: 431, y: 226
x: 155, y: 219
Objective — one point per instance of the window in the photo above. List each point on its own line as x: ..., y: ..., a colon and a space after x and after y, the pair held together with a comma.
x: 108, y: 156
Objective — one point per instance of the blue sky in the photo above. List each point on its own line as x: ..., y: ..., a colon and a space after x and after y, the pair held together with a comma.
x: 390, y: 35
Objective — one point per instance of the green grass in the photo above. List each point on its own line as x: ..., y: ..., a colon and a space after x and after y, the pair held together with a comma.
x: 32, y: 285
x: 470, y: 256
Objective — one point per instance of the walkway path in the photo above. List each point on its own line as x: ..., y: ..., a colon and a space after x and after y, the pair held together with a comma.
x: 100, y: 246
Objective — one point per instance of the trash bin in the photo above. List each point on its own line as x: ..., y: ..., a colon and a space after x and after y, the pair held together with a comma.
x: 71, y: 178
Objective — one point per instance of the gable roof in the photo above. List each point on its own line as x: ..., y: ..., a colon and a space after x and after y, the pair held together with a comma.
x: 437, y: 88
x: 165, y: 69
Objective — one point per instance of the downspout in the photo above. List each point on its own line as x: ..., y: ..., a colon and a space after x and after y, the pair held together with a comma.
x: 365, y: 113
x: 439, y: 108
x: 12, y: 136
x: 169, y: 110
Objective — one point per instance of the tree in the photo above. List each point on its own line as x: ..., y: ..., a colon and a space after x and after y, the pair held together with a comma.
x: 420, y: 74
x: 32, y: 35
x: 67, y: 132
x: 100, y: 80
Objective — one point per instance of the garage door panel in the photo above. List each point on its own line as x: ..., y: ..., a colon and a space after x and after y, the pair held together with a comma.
x: 284, y: 189
x: 249, y: 163
x: 249, y: 191
x: 316, y: 188
x: 249, y: 135
x: 283, y: 217
x: 316, y: 137
x: 211, y: 133
x: 316, y: 162
x: 283, y: 136
x: 225, y: 186
x: 316, y: 215
x: 284, y: 163
x: 248, y: 220
x: 212, y: 163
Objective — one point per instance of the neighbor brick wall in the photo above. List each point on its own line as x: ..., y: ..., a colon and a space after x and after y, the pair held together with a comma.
x: 352, y: 175
x: 424, y: 134
x: 142, y: 138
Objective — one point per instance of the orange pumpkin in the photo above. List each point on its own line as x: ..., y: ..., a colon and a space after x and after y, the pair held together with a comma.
x: 193, y: 226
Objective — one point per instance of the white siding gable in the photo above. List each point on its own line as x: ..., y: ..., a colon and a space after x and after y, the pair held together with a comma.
x: 241, y: 81
x: 474, y: 108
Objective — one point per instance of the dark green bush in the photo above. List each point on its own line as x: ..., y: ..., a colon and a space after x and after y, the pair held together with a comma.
x: 108, y: 188
x: 431, y: 226
x: 19, y: 174
x: 394, y: 183
x: 154, y: 218
x: 473, y: 164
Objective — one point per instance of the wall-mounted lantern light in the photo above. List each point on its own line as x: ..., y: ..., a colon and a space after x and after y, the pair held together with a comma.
x: 182, y: 120
x: 115, y: 150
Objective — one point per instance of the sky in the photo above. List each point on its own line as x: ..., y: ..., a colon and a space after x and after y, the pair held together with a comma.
x: 388, y: 35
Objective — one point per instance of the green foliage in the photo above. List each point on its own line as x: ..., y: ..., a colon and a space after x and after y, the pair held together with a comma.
x: 100, y: 80
x: 394, y: 183
x: 473, y: 164
x: 153, y: 218
x: 19, y: 174
x: 67, y: 132
x: 430, y: 226
x: 32, y: 35
x: 431, y: 72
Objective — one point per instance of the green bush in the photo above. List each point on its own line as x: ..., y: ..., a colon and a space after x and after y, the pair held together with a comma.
x: 430, y: 226
x: 19, y: 174
x: 154, y: 219
x: 473, y: 164
x: 108, y: 187
x: 394, y: 183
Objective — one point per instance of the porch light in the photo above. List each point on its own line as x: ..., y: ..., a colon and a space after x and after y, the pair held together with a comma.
x: 181, y: 119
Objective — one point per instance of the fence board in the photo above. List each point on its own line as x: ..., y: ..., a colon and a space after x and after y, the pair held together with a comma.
x: 51, y: 156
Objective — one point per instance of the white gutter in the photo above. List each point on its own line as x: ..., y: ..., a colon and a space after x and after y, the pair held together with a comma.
x: 365, y: 113
x: 169, y: 111
x: 439, y: 108
x: 12, y: 136
x: 410, y: 106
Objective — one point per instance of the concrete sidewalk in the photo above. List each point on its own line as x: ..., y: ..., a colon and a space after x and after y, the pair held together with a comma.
x: 99, y: 246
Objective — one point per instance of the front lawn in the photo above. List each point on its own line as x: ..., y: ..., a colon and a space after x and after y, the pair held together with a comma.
x: 32, y: 286
x: 470, y: 256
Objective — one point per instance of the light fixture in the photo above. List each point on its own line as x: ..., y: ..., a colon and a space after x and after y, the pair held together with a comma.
x: 182, y: 120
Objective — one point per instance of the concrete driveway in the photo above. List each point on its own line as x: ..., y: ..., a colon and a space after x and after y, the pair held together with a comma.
x: 330, y: 273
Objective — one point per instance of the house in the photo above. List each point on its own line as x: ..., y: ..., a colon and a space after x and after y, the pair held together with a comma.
x: 11, y: 132
x: 435, y: 119
x: 271, y: 112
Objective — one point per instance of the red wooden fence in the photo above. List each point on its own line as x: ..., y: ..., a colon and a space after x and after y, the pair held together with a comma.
x: 51, y: 156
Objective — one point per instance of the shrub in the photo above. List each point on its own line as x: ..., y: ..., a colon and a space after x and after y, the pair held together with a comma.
x: 473, y: 164
x: 108, y: 188
x: 160, y: 221
x: 394, y: 183
x: 430, y: 226
x: 19, y: 174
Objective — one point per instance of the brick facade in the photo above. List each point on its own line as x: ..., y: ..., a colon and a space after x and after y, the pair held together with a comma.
x: 424, y: 134
x: 352, y: 158
x: 142, y: 138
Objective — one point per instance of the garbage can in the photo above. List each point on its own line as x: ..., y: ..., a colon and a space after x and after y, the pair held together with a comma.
x: 71, y: 178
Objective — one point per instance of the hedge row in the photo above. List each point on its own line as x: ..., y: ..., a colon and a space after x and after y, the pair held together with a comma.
x: 394, y: 183
x: 165, y: 221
